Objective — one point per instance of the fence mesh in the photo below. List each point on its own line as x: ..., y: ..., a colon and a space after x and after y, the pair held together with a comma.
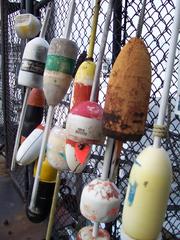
x: 156, y: 33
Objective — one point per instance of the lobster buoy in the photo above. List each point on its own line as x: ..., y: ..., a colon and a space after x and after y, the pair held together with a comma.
x: 29, y: 150
x: 84, y: 123
x: 45, y: 193
x: 77, y: 155
x: 59, y: 69
x: 56, y: 148
x: 34, y: 112
x: 83, y: 83
x: 147, y: 194
x: 33, y: 63
x: 27, y: 26
x: 100, y: 201
x: 130, y: 81
x: 86, y: 233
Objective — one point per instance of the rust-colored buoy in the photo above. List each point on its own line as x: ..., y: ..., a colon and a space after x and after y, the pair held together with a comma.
x: 127, y: 96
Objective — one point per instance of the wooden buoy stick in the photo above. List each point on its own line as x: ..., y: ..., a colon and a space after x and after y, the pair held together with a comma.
x: 94, y: 28
x: 101, y: 52
x: 168, y: 72
x: 53, y: 206
x: 97, y: 76
x: 19, y: 130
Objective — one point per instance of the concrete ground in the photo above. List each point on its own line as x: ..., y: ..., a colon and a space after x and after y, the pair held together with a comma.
x: 14, y: 224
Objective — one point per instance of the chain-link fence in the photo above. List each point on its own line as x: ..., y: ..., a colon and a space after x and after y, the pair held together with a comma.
x: 156, y: 33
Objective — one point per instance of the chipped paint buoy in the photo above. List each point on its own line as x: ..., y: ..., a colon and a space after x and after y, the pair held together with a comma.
x: 100, y: 201
x: 29, y: 150
x: 56, y: 148
x: 84, y: 123
x: 86, y: 233
x: 59, y: 68
x: 130, y: 81
x: 147, y: 194
x: 27, y: 26
x: 33, y: 63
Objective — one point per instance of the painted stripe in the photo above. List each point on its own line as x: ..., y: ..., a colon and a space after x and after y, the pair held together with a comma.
x: 60, y: 64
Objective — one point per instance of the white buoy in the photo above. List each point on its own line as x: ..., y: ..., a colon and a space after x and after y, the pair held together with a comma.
x: 27, y: 26
x: 29, y: 150
x: 31, y: 74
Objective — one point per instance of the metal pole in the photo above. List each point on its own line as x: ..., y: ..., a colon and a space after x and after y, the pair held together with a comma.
x: 30, y: 6
x: 5, y: 77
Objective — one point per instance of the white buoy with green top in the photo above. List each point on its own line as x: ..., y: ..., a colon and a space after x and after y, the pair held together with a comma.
x: 61, y: 60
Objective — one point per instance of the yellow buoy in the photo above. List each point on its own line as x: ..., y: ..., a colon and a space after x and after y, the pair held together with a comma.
x: 147, y: 194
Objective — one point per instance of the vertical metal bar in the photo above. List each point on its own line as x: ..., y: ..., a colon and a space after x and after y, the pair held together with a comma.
x: 5, y: 80
x: 117, y: 29
x: 30, y: 6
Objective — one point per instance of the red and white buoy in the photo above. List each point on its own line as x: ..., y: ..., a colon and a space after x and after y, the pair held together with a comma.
x: 77, y: 154
x: 100, y: 201
x: 84, y: 123
x: 97, y: 199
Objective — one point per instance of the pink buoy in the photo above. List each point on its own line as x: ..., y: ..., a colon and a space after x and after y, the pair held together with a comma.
x: 100, y: 201
x: 84, y: 123
x: 86, y: 233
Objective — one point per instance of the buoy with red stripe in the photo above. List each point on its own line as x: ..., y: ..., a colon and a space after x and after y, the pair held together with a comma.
x: 31, y: 73
x: 77, y: 154
x: 34, y: 111
x: 59, y: 68
x: 27, y: 26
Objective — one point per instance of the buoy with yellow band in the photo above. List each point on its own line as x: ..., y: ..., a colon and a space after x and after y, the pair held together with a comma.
x: 45, y: 193
x: 77, y: 155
